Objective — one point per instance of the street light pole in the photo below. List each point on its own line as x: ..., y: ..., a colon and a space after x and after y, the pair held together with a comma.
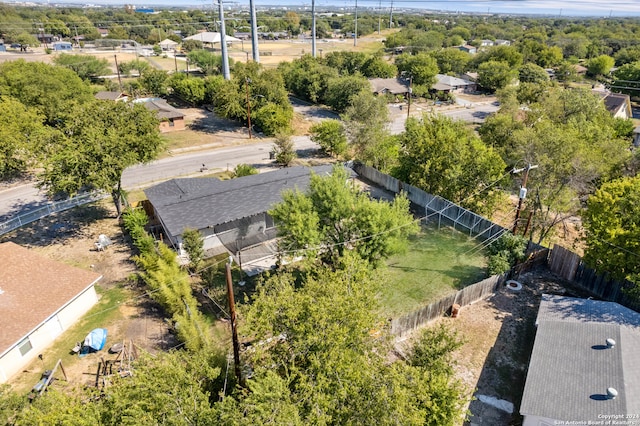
x: 523, y: 193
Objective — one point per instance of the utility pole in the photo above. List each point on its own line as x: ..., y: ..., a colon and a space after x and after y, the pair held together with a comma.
x: 523, y: 193
x: 254, y: 32
x: 223, y: 43
x: 234, y: 332
x: 355, y: 29
x: 175, y: 60
x: 409, y: 106
x: 313, y: 28
x: 246, y: 85
x: 115, y: 57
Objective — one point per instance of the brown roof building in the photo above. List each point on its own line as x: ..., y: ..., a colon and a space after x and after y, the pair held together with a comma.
x: 39, y: 299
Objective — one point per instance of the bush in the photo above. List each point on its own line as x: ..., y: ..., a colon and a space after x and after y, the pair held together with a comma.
x: 244, y: 170
x: 505, y: 252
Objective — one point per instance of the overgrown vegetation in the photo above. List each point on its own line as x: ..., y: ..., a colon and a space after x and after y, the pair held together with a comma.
x: 505, y: 252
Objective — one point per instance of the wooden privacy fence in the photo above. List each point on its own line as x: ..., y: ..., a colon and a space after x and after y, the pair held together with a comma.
x: 570, y: 266
x: 466, y: 296
x: 435, y: 207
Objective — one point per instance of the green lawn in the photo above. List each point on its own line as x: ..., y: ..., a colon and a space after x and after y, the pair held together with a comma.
x: 437, y: 263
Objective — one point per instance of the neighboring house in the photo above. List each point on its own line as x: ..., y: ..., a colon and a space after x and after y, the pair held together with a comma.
x: 168, y: 44
x: 618, y: 104
x: 171, y: 119
x: 62, y: 46
x: 112, y: 96
x: 468, y: 48
x: 584, y: 363
x: 46, y: 38
x: 3, y: 48
x: 104, y: 32
x: 579, y: 69
x: 39, y: 299
x: 449, y: 84
x: 228, y: 211
x: 500, y: 42
x: 208, y: 37
x: 393, y: 86
x: 486, y: 43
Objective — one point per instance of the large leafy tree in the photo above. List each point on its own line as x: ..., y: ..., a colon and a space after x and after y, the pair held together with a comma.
x: 86, y: 66
x: 334, y: 217
x: 22, y: 134
x: 421, y: 68
x: 52, y: 90
x: 495, y: 75
x: 101, y: 139
x: 612, y: 225
x: 444, y: 158
x: 322, y: 357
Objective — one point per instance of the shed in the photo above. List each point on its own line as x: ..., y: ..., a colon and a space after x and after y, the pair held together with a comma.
x: 39, y: 299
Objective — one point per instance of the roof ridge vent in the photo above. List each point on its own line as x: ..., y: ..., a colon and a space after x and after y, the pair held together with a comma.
x: 611, y: 343
x: 611, y: 393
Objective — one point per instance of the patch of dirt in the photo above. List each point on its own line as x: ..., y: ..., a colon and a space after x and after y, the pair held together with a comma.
x: 499, y: 333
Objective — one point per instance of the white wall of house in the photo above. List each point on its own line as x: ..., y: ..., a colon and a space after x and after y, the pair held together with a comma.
x: 538, y: 421
x: 28, y: 348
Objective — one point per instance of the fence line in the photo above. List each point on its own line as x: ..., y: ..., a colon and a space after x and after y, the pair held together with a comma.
x: 451, y: 213
x: 465, y: 296
x: 570, y: 266
x: 48, y: 209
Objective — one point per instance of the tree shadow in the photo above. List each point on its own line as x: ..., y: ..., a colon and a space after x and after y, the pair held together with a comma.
x: 59, y: 227
x: 210, y: 122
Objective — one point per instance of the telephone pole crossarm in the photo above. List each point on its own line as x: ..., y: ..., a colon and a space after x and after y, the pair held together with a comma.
x: 523, y: 193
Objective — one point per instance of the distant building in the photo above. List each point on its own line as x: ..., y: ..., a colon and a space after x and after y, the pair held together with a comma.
x: 3, y: 48
x: 112, y: 96
x: 171, y: 119
x: 393, y: 86
x: 449, y: 84
x: 485, y: 43
x: 618, y: 104
x: 468, y: 48
x: 62, y: 46
x: 502, y: 43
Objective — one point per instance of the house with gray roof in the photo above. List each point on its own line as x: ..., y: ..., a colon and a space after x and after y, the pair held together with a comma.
x: 229, y: 214
x: 584, y: 365
x: 393, y: 86
x: 450, y: 84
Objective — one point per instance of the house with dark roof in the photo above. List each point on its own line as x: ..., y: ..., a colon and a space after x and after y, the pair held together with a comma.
x: 171, y: 119
x: 618, y: 104
x: 468, y: 48
x: 392, y: 86
x: 584, y: 363
x: 39, y: 299
x: 230, y: 213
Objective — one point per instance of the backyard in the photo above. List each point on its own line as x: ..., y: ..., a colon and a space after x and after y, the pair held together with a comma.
x: 437, y: 262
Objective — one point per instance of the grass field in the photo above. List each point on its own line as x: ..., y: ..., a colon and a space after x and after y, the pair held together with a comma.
x: 437, y: 263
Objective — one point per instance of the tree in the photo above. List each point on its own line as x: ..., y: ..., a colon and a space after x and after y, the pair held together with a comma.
x: 451, y: 60
x: 51, y: 89
x: 532, y: 73
x: 191, y: 90
x: 421, y: 67
x: 154, y: 82
x: 444, y: 158
x: 307, y: 78
x: 209, y: 63
x: 333, y: 217
x: 612, y: 225
x: 191, y: 45
x: 340, y: 90
x: 494, y: 75
x: 22, y: 134
x: 273, y: 119
x: 508, y: 54
x: 193, y: 244
x: 86, y: 66
x: 331, y: 137
x: 101, y: 139
x: 284, y: 149
x: 600, y: 65
x: 137, y: 64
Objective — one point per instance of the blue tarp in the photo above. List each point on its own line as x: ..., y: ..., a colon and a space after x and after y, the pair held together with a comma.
x: 96, y: 339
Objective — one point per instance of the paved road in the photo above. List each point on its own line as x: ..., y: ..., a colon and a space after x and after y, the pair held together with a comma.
x: 475, y: 113
x: 25, y: 198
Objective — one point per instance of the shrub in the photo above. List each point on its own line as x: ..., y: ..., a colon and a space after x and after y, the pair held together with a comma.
x: 505, y: 252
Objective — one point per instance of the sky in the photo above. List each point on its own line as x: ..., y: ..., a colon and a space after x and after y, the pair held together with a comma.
x: 563, y: 8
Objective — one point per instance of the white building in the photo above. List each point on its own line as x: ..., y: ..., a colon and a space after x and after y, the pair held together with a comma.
x: 39, y: 299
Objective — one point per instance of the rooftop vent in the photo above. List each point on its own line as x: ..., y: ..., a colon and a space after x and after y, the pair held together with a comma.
x: 611, y: 343
x: 611, y: 393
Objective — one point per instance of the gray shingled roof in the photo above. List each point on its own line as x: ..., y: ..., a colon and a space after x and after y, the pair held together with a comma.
x: 201, y: 203
x: 571, y: 366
